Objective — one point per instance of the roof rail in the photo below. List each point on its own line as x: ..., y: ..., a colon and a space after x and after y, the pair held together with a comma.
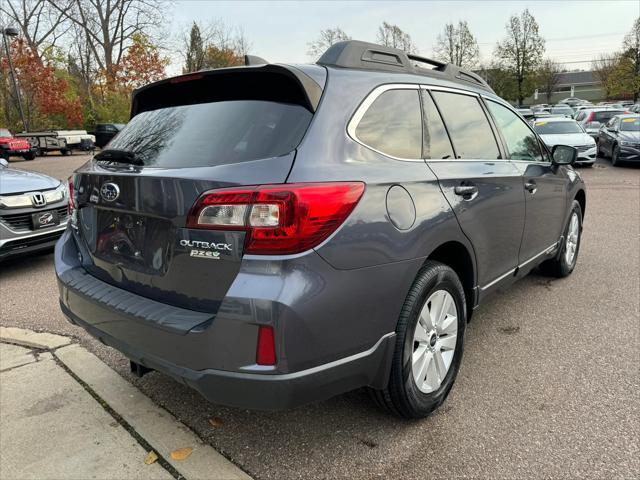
x: 369, y: 56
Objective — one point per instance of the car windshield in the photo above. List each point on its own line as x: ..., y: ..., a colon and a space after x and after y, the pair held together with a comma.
x: 555, y: 128
x: 4, y: 133
x: 630, y: 124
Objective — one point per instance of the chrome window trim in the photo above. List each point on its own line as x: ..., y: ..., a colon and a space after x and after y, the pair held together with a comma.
x: 364, y: 106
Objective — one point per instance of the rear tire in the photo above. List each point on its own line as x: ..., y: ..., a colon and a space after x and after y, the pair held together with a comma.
x: 29, y: 156
x: 428, y: 353
x: 565, y: 261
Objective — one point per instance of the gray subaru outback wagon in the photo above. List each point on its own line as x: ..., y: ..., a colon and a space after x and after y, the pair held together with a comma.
x: 273, y: 235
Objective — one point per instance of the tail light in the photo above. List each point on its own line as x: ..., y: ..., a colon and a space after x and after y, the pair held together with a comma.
x: 266, y: 349
x: 71, y: 204
x: 278, y: 219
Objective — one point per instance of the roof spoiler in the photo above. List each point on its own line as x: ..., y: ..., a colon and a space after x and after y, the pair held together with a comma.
x: 369, y: 56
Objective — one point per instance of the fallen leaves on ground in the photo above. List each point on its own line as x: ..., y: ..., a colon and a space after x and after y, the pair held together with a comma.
x: 181, y: 453
x: 215, y: 422
x: 151, y: 458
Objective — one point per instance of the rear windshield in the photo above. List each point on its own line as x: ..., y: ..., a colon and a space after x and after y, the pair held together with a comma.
x: 215, y: 133
x: 553, y: 128
x: 605, y: 116
x: 630, y: 124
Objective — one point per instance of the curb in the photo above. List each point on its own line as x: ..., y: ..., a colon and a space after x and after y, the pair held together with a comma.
x: 156, y: 426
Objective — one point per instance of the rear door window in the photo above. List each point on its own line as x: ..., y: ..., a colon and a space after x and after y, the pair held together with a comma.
x: 436, y: 143
x: 393, y: 124
x: 521, y: 142
x: 215, y: 133
x: 468, y: 126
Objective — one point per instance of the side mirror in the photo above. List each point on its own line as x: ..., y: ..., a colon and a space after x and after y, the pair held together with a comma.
x: 4, y: 163
x: 563, y: 154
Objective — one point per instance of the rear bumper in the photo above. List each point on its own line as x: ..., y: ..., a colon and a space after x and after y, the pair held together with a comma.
x: 260, y: 391
x: 321, y: 352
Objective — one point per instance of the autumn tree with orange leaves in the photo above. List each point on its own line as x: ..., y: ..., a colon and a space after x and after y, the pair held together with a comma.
x: 48, y: 101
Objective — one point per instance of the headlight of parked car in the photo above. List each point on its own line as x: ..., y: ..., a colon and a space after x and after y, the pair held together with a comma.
x: 625, y: 143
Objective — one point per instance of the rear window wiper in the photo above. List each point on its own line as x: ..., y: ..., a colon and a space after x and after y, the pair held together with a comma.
x: 118, y: 156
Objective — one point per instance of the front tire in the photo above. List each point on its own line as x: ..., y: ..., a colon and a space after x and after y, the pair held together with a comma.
x: 565, y: 261
x: 615, y: 156
x: 29, y: 156
x: 429, y: 344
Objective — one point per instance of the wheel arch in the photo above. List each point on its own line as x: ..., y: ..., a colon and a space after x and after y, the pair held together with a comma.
x: 457, y: 256
x: 581, y: 198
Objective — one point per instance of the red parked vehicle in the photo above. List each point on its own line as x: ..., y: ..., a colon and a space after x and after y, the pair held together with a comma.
x: 15, y: 147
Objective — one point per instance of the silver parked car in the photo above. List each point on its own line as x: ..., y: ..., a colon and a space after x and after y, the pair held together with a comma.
x: 33, y: 210
x: 591, y: 119
x: 566, y: 131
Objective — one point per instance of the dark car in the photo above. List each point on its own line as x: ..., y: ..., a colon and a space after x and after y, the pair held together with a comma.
x: 275, y: 235
x: 105, y: 132
x: 619, y: 139
x: 11, y: 146
x: 33, y: 211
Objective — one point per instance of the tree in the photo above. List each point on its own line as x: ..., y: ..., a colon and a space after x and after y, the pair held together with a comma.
x: 500, y: 80
x: 548, y: 77
x: 194, y: 56
x: 213, y: 45
x: 47, y: 99
x: 603, y: 68
x: 393, y: 36
x: 141, y: 64
x: 457, y: 45
x: 109, y: 26
x: 41, y: 24
x: 521, y: 51
x: 327, y: 37
x: 630, y: 68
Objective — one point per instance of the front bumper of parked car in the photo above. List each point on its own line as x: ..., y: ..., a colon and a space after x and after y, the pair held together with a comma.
x: 629, y: 152
x: 587, y: 155
x: 18, y: 237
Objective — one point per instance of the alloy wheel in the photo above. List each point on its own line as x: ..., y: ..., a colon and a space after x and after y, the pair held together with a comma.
x: 573, y: 234
x: 434, y: 341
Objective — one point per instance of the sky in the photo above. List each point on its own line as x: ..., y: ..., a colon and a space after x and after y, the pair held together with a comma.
x: 575, y: 31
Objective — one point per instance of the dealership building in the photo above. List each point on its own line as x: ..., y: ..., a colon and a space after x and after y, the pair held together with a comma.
x: 586, y: 86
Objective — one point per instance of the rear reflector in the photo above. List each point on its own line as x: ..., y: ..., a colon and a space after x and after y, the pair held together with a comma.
x: 278, y: 219
x: 266, y: 350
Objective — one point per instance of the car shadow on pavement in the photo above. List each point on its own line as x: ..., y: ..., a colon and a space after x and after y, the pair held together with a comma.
x: 16, y: 263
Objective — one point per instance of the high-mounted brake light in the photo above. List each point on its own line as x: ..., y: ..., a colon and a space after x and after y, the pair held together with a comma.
x: 278, y: 219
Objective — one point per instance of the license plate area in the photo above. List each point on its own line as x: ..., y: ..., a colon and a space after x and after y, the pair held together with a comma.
x: 44, y: 219
x: 136, y: 242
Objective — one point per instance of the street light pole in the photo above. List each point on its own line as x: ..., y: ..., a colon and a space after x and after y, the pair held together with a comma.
x: 12, y: 32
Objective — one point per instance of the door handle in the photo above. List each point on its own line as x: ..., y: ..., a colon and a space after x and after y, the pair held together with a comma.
x: 531, y: 186
x: 468, y: 192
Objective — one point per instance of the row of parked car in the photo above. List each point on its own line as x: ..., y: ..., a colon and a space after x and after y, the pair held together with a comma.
x: 30, y: 145
x: 608, y: 129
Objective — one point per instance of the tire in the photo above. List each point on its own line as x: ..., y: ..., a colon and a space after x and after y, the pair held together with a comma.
x: 615, y: 156
x: 4, y: 154
x: 65, y: 151
x: 403, y: 396
x: 561, y: 266
x: 29, y: 156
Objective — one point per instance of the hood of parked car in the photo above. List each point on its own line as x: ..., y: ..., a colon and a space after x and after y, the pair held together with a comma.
x: 17, y: 181
x: 571, y: 139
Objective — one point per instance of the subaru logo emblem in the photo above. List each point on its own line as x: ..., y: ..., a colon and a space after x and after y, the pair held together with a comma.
x: 38, y: 199
x: 109, y: 192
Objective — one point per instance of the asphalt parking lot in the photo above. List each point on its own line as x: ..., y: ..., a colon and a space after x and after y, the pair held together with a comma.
x: 549, y: 386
